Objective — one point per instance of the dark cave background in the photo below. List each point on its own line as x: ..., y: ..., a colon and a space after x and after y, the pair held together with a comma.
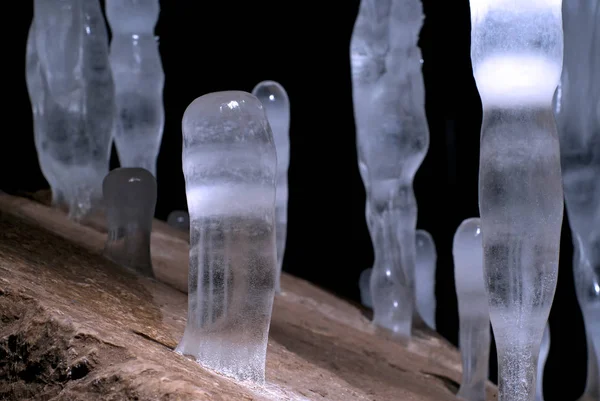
x: 216, y: 46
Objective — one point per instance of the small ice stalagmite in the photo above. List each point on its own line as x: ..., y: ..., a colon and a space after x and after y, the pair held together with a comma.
x: 72, y: 93
x: 544, y: 350
x: 577, y: 112
x: 229, y: 164
x: 179, y: 219
x: 130, y: 200
x: 425, y: 265
x: 392, y: 140
x: 139, y: 81
x: 473, y: 312
x: 364, y: 285
x: 516, y: 51
x: 277, y: 106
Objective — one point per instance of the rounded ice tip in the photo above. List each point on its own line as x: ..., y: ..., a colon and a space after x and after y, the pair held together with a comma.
x: 131, y: 191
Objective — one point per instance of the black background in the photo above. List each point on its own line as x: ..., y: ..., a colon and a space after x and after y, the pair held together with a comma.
x: 305, y: 46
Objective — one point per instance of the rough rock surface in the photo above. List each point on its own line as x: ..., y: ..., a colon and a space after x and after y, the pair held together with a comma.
x: 75, y: 326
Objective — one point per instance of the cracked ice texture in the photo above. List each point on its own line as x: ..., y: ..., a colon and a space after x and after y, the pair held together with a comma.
x: 425, y: 265
x: 473, y: 312
x: 516, y: 50
x: 544, y: 350
x: 230, y: 163
x: 139, y: 81
x: 179, y: 219
x: 71, y: 90
x: 577, y: 112
x: 275, y: 100
x: 392, y: 140
x: 130, y: 200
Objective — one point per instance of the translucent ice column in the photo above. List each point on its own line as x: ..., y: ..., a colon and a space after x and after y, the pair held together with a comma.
x: 72, y: 93
x: 544, y: 350
x: 130, y: 200
x: 277, y: 105
x: 516, y: 50
x: 230, y: 163
x: 392, y: 140
x: 473, y: 312
x: 425, y: 276
x: 139, y: 81
x: 577, y: 108
x: 179, y: 219
x: 364, y: 285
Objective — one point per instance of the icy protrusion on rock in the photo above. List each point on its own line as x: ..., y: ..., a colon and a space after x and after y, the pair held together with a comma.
x: 425, y: 265
x: 473, y: 312
x: 544, y: 350
x: 179, y: 219
x: 277, y: 106
x: 72, y: 94
x: 516, y: 51
x: 130, y: 200
x: 392, y: 140
x: 230, y: 163
x: 364, y: 285
x: 577, y: 108
x: 139, y: 81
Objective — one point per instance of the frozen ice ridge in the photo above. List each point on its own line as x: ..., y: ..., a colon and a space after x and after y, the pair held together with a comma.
x: 72, y: 96
x: 392, y: 140
x: 277, y: 105
x: 139, y: 81
x: 544, y: 350
x: 473, y: 312
x: 130, y: 200
x: 230, y: 163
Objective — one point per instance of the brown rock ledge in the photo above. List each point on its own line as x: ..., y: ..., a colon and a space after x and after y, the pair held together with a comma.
x: 74, y: 326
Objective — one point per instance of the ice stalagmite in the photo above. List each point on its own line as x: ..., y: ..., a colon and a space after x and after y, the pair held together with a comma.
x: 229, y: 164
x: 577, y: 111
x: 473, y: 313
x: 277, y: 105
x: 425, y: 267
x: 392, y: 140
x: 72, y: 94
x: 516, y: 51
x: 139, y: 81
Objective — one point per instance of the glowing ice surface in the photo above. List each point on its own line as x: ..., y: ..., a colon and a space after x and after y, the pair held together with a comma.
x: 520, y: 185
x: 230, y: 163
x: 277, y: 105
x: 392, y: 140
x: 544, y: 350
x: 72, y: 95
x: 473, y: 312
x: 179, y: 219
x: 139, y: 81
x: 425, y: 265
x: 130, y: 199
x: 577, y: 111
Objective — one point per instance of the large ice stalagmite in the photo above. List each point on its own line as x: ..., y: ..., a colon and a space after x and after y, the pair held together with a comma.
x: 392, y: 140
x: 72, y: 93
x: 277, y: 106
x: 139, y: 81
x: 577, y: 111
x: 229, y: 163
x: 517, y: 50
